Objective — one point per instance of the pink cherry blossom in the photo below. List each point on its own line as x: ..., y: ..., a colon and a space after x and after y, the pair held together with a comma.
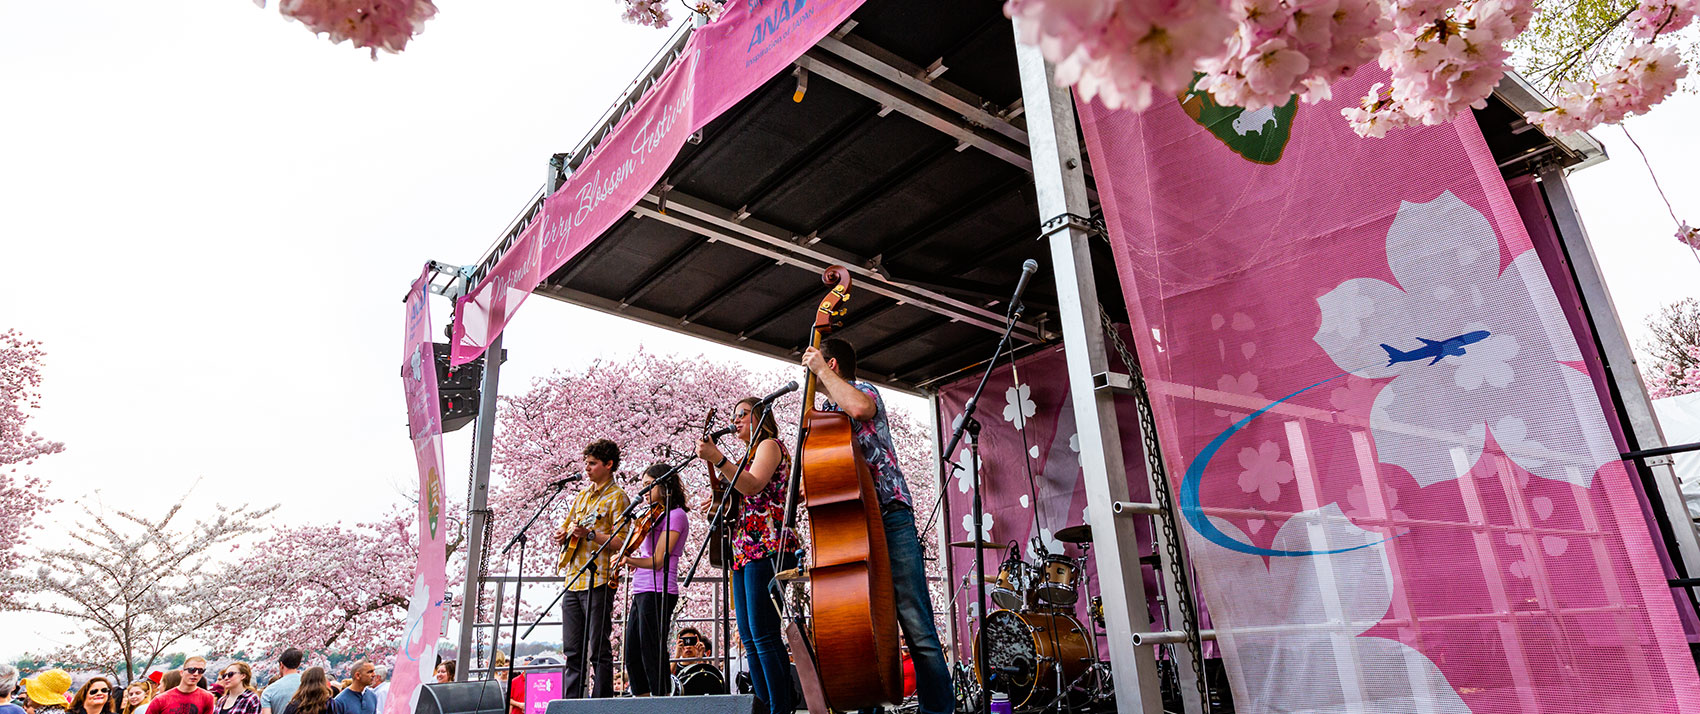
x: 1643, y: 77
x: 1138, y: 49
x: 650, y: 13
x: 368, y: 24
x: 1671, y: 379
x: 1652, y: 18
x: 22, y: 497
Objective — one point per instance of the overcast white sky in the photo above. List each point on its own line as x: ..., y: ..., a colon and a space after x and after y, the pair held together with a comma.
x: 210, y: 217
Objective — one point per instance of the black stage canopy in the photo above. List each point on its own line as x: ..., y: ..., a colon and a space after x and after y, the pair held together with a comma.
x: 896, y: 147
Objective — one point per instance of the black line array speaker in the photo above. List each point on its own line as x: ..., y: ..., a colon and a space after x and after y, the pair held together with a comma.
x: 481, y: 697
x: 708, y: 704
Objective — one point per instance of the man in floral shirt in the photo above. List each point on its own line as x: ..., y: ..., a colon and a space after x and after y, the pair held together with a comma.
x: 834, y: 367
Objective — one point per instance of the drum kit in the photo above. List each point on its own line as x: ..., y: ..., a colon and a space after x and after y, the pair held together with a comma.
x: 1032, y: 648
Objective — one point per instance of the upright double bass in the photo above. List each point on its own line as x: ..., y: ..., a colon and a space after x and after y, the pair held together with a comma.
x: 853, y: 661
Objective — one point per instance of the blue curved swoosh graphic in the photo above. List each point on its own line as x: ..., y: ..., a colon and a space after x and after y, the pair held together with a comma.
x: 1194, y: 511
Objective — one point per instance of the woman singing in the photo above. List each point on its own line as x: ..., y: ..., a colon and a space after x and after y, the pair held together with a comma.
x: 655, y: 584
x: 756, y: 551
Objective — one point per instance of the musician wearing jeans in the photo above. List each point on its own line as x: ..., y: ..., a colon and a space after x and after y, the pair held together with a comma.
x: 834, y: 367
x: 587, y: 609
x: 757, y: 552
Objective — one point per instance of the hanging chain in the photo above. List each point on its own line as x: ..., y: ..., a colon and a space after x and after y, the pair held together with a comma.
x: 1160, y: 490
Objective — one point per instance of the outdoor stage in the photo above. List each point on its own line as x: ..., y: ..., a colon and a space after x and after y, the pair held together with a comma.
x: 931, y: 155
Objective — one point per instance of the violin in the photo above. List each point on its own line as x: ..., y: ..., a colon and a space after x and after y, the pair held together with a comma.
x: 645, y: 523
x: 852, y: 661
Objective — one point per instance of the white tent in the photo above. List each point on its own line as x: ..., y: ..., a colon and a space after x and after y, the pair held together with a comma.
x: 1679, y: 417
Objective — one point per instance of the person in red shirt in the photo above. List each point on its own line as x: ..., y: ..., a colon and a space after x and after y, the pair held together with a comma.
x: 516, y: 688
x: 187, y: 697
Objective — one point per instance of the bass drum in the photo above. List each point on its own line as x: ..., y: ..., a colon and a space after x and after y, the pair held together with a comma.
x: 698, y: 679
x: 1022, y: 653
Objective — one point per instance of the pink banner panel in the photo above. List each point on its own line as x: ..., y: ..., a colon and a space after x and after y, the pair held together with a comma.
x: 1027, y: 427
x: 416, y: 652
x: 1532, y: 208
x: 722, y: 63
x: 752, y: 41
x: 1400, y: 489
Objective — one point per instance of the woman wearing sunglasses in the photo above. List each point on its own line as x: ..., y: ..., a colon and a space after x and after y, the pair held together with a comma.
x: 239, y: 696
x: 758, y: 552
x: 96, y: 697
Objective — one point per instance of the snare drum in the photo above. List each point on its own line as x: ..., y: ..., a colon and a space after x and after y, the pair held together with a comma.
x: 1059, y: 578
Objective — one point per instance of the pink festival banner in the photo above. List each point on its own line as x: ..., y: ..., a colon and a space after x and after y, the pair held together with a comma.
x: 723, y: 62
x: 1400, y: 490
x: 416, y: 652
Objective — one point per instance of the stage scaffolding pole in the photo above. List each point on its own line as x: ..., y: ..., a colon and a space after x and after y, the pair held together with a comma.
x: 1059, y: 180
x: 478, y: 507
x: 942, y: 529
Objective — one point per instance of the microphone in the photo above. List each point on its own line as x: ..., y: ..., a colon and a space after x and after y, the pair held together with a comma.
x: 1027, y: 270
x: 722, y: 431
x: 782, y: 391
x: 564, y: 480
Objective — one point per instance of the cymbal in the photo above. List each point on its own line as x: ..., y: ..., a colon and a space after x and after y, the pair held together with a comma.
x: 983, y: 544
x: 1075, y: 534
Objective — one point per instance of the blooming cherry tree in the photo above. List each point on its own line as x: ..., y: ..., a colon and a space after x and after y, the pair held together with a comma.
x: 21, y: 498
x: 335, y: 588
x: 139, y: 586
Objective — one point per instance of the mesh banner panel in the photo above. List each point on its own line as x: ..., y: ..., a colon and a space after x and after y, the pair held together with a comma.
x: 1399, y: 487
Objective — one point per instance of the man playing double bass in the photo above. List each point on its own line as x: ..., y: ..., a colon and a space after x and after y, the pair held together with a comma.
x: 834, y: 367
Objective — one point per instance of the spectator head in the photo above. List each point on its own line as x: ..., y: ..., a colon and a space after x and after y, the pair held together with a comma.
x: 362, y: 675
x: 138, y: 693
x: 8, y: 681
x: 170, y: 680
x: 445, y: 671
x: 236, y: 676
x: 291, y: 659
x: 48, y: 689
x: 96, y: 695
x: 313, y: 696
x: 380, y: 674
x: 155, y: 677
x: 194, y: 671
x: 691, y: 637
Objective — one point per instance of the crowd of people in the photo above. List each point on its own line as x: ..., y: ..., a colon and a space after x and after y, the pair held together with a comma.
x: 191, y: 689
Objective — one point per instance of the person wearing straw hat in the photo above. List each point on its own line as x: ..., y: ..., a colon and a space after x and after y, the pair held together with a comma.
x: 47, y: 691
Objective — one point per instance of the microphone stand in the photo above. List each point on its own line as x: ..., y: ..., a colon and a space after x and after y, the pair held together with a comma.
x: 519, y: 540
x: 968, y: 424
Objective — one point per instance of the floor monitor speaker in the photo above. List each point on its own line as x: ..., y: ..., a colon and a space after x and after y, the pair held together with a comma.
x: 481, y: 697
x: 708, y: 704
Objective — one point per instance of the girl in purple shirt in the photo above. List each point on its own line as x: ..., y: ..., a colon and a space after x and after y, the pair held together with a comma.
x: 655, y: 585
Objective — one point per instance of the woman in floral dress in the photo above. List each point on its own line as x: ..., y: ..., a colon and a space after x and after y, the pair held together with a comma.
x: 757, y: 553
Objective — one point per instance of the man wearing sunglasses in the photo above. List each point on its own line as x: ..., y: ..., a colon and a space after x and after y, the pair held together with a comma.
x: 187, y: 697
